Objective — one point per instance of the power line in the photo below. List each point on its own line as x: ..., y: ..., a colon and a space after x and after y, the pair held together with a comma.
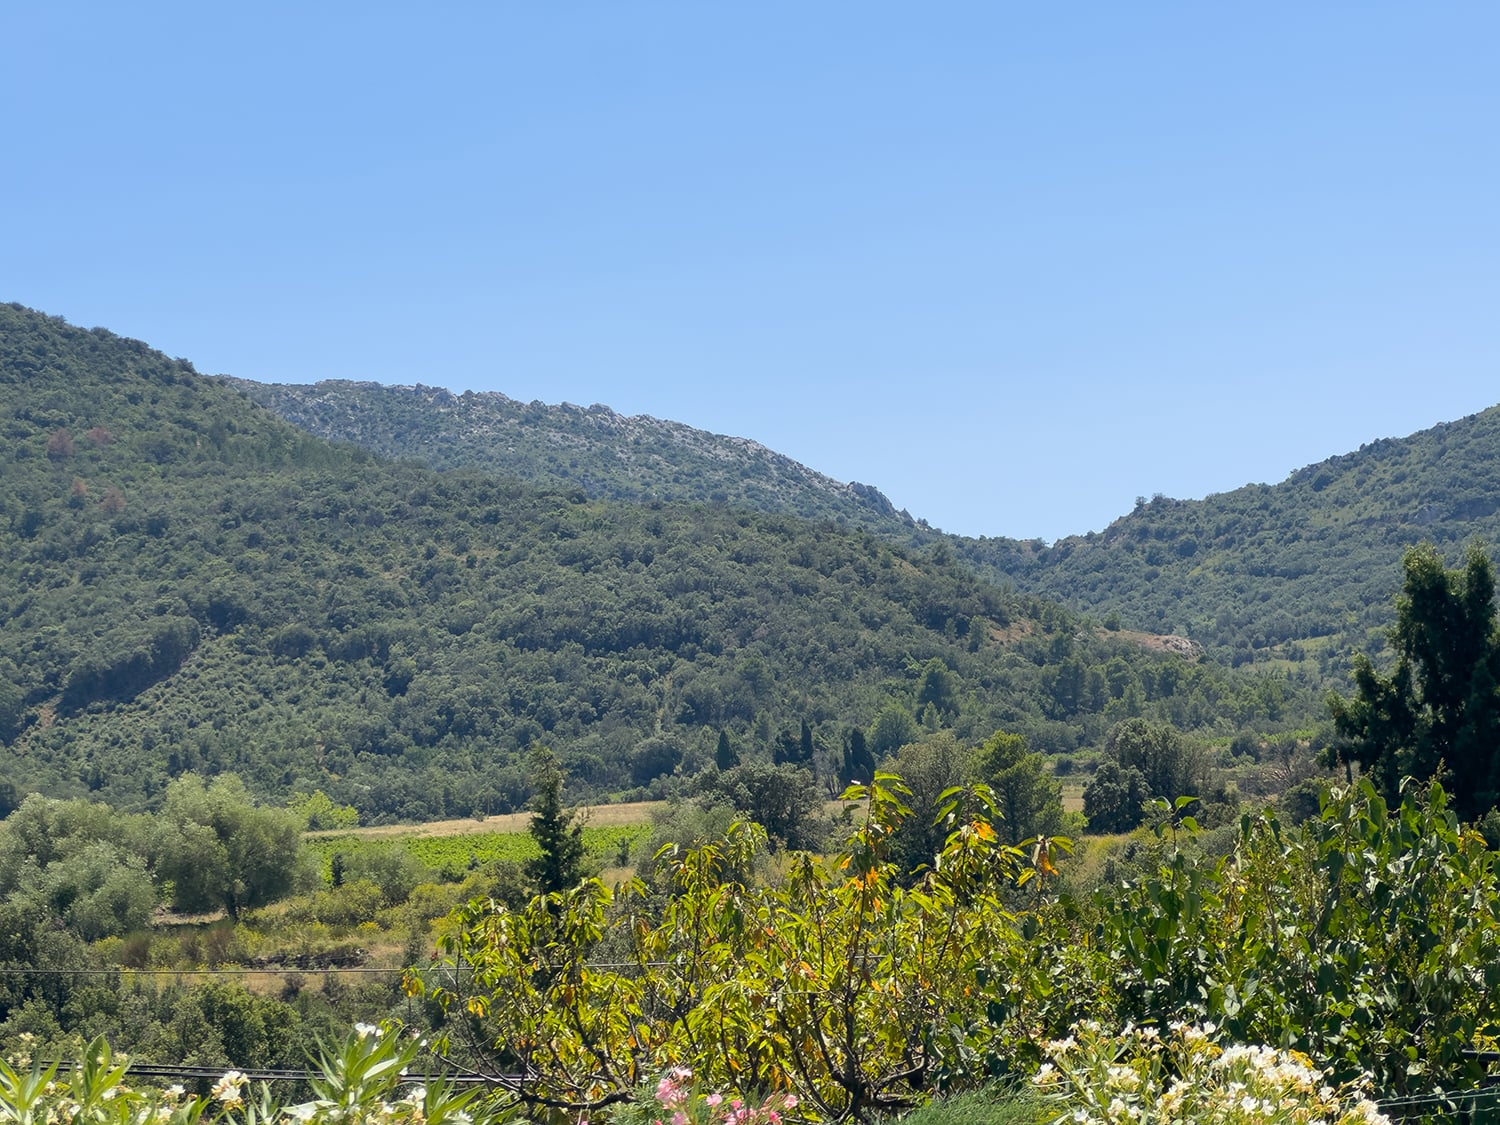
x: 287, y: 1074
x: 21, y: 971
x: 1455, y: 1099
x: 26, y: 970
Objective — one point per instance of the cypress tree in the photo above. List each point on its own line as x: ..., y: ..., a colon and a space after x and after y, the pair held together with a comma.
x: 725, y: 756
x: 556, y: 830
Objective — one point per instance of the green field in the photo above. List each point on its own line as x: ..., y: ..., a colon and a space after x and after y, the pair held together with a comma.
x: 453, y: 855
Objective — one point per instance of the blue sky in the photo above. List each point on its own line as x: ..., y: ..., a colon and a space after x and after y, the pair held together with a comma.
x: 1013, y: 264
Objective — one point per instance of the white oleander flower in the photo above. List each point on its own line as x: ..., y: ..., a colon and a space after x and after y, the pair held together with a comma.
x: 227, y: 1089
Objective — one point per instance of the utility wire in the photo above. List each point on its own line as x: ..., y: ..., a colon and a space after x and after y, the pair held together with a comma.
x: 276, y: 969
x: 285, y: 1074
x: 1457, y: 1099
x: 24, y: 970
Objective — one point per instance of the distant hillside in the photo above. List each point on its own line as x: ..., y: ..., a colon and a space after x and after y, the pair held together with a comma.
x: 190, y: 583
x: 610, y: 456
x: 1302, y: 568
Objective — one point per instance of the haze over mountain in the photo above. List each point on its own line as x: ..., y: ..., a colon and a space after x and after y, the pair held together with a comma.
x: 192, y: 583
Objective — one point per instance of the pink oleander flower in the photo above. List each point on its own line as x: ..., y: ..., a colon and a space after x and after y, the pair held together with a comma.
x: 668, y: 1093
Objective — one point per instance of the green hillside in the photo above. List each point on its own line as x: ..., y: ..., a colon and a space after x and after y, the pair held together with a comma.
x: 1305, y: 568
x: 609, y: 456
x: 192, y: 584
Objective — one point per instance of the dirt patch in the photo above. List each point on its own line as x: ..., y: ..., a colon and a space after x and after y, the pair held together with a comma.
x: 1013, y: 632
x: 1185, y: 647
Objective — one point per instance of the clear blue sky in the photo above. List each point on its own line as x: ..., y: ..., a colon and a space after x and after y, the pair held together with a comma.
x: 1013, y: 264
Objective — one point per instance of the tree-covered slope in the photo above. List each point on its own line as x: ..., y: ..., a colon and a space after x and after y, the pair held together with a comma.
x: 1308, y: 565
x: 607, y: 455
x: 193, y: 584
x: 1305, y: 569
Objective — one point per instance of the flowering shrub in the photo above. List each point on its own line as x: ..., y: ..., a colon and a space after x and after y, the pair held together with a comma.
x: 1141, y: 1076
x: 676, y: 1099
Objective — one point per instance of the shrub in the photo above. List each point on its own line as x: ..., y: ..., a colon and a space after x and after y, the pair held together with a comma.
x: 1141, y: 1075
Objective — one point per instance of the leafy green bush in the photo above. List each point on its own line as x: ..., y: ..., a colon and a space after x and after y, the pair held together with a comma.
x: 1369, y: 939
x: 347, y: 905
x: 835, y: 980
x: 1001, y: 1104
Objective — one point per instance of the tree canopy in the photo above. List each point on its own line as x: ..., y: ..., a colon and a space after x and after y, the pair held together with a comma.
x: 1437, y: 712
x: 220, y: 849
x: 1296, y: 571
x: 1251, y: 574
x: 1144, y: 761
x: 1027, y: 797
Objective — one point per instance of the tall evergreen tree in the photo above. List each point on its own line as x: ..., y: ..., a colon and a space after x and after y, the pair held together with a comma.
x: 1438, y: 712
x: 1029, y: 798
x: 556, y: 829
x: 859, y: 763
x: 725, y: 755
x: 938, y: 689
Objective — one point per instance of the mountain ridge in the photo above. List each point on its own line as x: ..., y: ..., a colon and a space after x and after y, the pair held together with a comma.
x: 1263, y: 570
x: 625, y: 457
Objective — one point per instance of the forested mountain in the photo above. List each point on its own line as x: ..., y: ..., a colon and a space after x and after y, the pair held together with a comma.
x: 609, y: 456
x: 191, y: 583
x: 1305, y: 568
x: 1302, y: 570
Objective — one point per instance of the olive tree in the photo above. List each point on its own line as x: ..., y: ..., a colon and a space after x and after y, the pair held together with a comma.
x: 220, y: 849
